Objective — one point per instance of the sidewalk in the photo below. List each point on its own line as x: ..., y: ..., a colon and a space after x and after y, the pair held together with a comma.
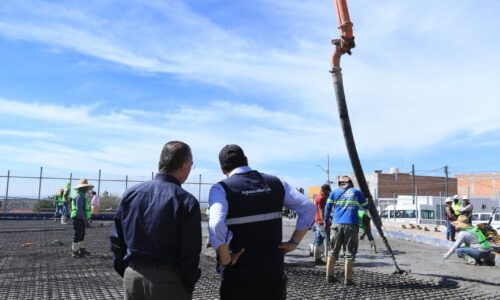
x: 438, y: 239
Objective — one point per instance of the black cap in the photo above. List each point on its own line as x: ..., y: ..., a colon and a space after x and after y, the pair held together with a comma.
x: 326, y: 188
x: 231, y: 154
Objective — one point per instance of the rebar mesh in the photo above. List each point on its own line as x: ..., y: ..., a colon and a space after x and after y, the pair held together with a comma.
x: 36, y: 263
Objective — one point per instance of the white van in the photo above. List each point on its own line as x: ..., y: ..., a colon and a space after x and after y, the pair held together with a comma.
x: 408, y: 213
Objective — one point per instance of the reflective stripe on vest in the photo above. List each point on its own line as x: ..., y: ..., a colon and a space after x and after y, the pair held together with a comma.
x: 481, y: 239
x: 254, y: 218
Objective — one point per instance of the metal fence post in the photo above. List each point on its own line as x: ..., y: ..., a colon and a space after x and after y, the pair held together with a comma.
x: 7, y: 192
x: 152, y: 175
x: 70, y: 179
x: 199, y: 190
x: 99, y: 183
x: 40, y: 183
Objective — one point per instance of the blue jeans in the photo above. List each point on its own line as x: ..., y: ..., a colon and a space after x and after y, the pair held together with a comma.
x: 472, y: 252
x: 319, y: 235
x: 59, y: 211
x: 450, y: 231
x: 65, y: 209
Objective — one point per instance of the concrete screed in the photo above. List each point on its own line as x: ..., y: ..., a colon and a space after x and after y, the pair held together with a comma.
x: 36, y: 263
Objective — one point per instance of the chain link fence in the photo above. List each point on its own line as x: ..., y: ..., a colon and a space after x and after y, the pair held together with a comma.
x: 34, y: 191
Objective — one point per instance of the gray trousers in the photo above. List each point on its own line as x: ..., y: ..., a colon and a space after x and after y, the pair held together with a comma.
x: 153, y: 282
x: 344, y: 236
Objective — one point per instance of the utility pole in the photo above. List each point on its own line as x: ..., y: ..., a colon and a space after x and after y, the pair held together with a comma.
x: 413, y: 182
x: 327, y: 171
x: 446, y: 180
x: 328, y: 168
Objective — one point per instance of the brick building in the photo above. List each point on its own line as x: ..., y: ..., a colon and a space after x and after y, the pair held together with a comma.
x: 394, y: 183
x: 484, y: 185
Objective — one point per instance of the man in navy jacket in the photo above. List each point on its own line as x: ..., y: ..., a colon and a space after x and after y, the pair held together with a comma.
x: 156, y: 238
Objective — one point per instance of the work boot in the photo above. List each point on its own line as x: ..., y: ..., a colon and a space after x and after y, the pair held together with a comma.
x: 83, y: 251
x: 469, y: 259
x: 330, y: 276
x: 75, y: 250
x: 317, y: 256
x: 490, y: 260
x: 373, y: 246
x: 348, y: 272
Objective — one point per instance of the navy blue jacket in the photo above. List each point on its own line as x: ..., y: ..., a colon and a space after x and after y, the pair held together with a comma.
x: 158, y: 223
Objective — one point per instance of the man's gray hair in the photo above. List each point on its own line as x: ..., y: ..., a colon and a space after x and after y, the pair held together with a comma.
x: 173, y: 156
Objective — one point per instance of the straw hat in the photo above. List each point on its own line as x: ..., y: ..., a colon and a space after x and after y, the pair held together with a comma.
x: 465, y: 198
x: 83, y: 183
x: 462, y: 222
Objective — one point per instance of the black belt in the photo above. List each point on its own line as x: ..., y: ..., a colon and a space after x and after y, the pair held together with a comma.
x: 149, y: 265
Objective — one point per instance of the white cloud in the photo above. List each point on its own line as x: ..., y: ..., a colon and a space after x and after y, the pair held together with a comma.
x: 25, y: 134
x: 419, y: 75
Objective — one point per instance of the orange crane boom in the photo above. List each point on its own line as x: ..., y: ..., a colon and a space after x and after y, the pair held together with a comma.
x: 346, y: 41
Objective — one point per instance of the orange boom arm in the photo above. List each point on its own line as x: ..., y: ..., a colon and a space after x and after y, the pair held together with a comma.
x: 346, y: 41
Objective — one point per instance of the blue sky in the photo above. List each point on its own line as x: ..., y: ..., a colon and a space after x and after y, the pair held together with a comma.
x: 88, y: 85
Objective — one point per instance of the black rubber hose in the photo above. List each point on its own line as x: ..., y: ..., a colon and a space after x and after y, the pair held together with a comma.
x: 338, y: 85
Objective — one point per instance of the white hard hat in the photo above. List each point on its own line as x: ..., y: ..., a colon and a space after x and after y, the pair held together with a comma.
x: 456, y: 197
x: 448, y: 200
x: 465, y: 197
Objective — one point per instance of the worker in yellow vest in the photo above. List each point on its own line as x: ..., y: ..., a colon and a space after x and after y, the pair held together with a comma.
x: 58, y: 202
x: 80, y: 214
x: 456, y: 205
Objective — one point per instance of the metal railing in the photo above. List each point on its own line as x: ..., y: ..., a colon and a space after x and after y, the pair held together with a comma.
x: 24, y: 192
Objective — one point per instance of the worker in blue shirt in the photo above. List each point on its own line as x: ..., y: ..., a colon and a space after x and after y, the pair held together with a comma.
x: 245, y: 228
x: 345, y: 202
x: 156, y: 237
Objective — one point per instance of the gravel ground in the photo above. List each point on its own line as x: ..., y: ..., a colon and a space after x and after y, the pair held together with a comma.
x: 36, y: 263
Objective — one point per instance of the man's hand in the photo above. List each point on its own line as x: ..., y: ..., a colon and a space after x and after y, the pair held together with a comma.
x: 287, y: 247
x: 233, y: 259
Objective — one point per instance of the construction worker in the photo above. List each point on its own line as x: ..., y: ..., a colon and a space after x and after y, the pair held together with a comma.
x: 58, y: 203
x: 450, y: 217
x: 466, y: 209
x: 246, y: 228
x: 477, y: 250
x: 456, y: 205
x: 365, y: 228
x: 80, y: 214
x: 66, y: 203
x: 319, y: 225
x: 345, y: 202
